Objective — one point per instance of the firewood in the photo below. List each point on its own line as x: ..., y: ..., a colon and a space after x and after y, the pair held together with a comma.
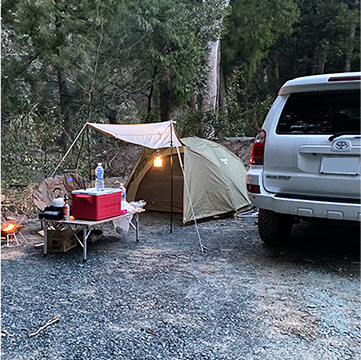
x: 51, y: 321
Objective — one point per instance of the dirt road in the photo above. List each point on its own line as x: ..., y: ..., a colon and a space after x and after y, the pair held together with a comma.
x: 162, y: 298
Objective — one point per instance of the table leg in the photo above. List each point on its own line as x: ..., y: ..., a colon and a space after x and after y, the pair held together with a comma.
x: 84, y: 243
x: 45, y: 239
x: 137, y: 227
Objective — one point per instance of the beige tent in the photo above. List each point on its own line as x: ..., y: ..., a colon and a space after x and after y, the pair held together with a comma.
x: 215, y: 178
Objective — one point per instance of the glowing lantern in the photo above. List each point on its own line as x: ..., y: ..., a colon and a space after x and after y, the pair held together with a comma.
x: 158, y: 162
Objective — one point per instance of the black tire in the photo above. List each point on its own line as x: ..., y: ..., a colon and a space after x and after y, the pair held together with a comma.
x: 274, y: 228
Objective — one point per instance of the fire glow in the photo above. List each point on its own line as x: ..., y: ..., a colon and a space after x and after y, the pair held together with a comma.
x: 9, y: 232
x: 9, y: 227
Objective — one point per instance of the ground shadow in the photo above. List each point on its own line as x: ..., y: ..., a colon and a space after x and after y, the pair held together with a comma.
x: 321, y: 242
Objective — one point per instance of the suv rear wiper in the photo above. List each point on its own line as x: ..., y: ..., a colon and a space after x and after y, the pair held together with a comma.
x: 334, y: 136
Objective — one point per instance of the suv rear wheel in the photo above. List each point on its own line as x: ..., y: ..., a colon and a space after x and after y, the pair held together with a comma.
x: 274, y: 228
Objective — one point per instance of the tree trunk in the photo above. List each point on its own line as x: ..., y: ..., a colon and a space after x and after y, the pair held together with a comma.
x: 63, y: 91
x: 64, y: 106
x: 277, y: 69
x: 318, y: 61
x: 194, y: 101
x: 264, y: 74
x: 150, y: 95
x: 112, y: 115
x: 222, y: 94
x: 211, y: 97
x: 350, y: 48
x: 164, y: 93
x: 321, y: 65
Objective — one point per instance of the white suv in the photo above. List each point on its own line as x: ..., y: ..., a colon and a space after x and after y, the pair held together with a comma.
x: 305, y: 161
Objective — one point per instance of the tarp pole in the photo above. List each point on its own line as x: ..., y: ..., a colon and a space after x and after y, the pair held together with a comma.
x: 171, y: 178
x: 71, y: 146
x: 190, y: 200
x: 89, y: 155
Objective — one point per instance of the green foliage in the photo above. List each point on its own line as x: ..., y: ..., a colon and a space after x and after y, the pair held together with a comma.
x: 114, y: 56
x: 253, y: 27
x: 270, y: 42
x: 224, y: 125
x: 28, y: 146
x: 320, y: 40
x: 171, y: 39
x: 255, y: 115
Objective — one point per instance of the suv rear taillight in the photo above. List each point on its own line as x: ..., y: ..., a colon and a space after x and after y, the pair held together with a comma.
x: 258, y: 149
x: 344, y: 78
x: 254, y: 189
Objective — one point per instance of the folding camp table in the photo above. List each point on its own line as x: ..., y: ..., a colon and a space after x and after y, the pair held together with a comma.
x: 86, y: 227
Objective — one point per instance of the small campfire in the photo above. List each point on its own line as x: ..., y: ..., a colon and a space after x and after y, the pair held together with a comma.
x: 10, y: 230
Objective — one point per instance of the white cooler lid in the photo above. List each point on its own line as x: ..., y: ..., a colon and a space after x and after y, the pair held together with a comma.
x: 93, y: 191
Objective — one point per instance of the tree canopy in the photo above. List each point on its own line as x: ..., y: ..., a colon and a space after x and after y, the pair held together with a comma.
x: 68, y: 62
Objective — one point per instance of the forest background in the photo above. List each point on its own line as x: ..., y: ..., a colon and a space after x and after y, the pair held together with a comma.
x: 213, y: 66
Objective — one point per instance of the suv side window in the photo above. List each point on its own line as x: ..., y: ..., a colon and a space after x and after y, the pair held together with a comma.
x: 321, y: 113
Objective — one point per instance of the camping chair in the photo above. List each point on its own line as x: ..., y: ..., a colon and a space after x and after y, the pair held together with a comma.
x: 43, y: 195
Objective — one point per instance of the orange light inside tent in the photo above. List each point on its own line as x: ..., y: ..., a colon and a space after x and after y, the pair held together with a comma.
x: 158, y: 163
x: 9, y: 227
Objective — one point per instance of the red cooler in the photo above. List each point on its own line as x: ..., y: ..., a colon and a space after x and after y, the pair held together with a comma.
x: 90, y: 204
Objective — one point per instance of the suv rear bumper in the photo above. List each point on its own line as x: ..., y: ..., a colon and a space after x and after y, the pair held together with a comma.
x: 307, y: 208
x: 334, y: 209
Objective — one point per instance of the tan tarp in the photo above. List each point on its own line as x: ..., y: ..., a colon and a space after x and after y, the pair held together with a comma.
x: 153, y: 135
x: 44, y: 193
x: 216, y: 180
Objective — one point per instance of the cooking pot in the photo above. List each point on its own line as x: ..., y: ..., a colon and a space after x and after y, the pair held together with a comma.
x: 58, y: 201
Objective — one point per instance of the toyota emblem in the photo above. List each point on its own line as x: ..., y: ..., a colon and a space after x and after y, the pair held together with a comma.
x: 341, y: 145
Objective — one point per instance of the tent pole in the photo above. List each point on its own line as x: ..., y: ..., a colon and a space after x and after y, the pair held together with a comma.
x: 171, y: 179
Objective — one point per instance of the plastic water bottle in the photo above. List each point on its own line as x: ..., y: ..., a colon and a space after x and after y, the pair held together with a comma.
x: 124, y: 192
x: 99, y: 177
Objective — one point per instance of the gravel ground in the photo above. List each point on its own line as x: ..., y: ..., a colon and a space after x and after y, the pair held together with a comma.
x: 162, y: 298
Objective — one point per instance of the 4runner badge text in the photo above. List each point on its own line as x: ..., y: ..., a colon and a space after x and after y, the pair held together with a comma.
x: 278, y: 177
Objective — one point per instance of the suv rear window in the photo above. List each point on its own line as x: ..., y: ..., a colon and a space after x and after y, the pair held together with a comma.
x: 321, y: 113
